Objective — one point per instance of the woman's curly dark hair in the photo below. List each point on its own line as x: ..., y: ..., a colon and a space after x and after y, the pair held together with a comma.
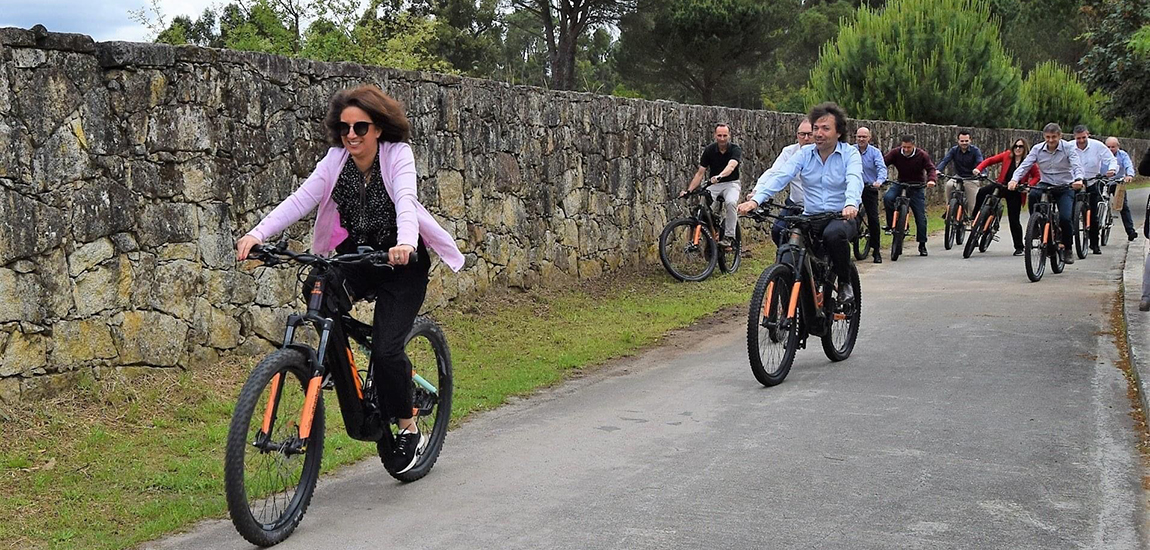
x: 386, y: 113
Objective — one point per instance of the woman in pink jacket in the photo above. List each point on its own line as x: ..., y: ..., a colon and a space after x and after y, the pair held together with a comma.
x: 365, y: 193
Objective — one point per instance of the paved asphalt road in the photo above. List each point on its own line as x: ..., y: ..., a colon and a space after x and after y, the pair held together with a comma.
x: 978, y: 411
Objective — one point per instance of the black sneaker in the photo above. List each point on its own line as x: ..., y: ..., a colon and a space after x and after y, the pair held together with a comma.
x: 1018, y: 251
x: 1131, y: 236
x: 1067, y: 255
x: 1095, y: 249
x: 846, y: 293
x: 408, y: 447
x: 922, y: 249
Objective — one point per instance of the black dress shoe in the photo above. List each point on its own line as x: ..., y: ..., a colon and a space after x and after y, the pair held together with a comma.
x: 922, y: 249
x: 1131, y: 236
x: 1017, y: 251
x: 1095, y: 250
x: 878, y: 258
x: 1067, y: 256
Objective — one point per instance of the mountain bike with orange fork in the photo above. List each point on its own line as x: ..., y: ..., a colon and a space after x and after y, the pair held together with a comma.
x: 955, y: 217
x: 688, y: 247
x: 985, y: 225
x: 900, y: 221
x: 795, y: 298
x: 275, y: 441
x: 1043, y: 235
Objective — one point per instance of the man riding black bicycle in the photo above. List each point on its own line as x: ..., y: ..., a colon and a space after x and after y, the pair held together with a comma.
x: 831, y: 175
x: 913, y: 165
x: 964, y: 157
x: 1095, y: 158
x: 721, y: 160
x: 1059, y: 164
x: 874, y: 174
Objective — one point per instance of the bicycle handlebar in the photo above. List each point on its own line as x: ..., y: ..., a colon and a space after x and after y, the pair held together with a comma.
x: 273, y: 255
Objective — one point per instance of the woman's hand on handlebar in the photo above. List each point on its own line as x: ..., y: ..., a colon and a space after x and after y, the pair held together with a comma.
x: 244, y: 246
x: 400, y: 254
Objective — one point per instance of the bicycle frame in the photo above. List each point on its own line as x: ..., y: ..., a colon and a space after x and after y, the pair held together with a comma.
x: 337, y: 367
x: 795, y: 253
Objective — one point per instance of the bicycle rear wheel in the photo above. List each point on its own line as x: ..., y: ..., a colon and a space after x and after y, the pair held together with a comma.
x: 270, y: 469
x: 687, y: 250
x: 949, y: 230
x: 729, y: 260
x: 1035, y: 247
x: 959, y: 228
x: 1081, y: 230
x: 430, y: 357
x: 839, y: 341
x: 772, y: 336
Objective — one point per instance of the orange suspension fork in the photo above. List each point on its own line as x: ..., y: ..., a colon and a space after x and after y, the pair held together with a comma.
x: 794, y: 300
x: 1046, y: 233
x: 266, y: 427
x: 1088, y: 218
x: 698, y: 234
x: 309, y: 405
x: 770, y: 298
x: 989, y: 219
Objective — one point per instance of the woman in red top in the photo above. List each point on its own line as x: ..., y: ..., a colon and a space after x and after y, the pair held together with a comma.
x: 1009, y: 161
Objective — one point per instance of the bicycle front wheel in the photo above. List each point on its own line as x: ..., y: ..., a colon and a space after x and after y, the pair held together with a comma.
x: 1081, y: 230
x: 1105, y: 221
x: 1035, y: 247
x: 687, y: 250
x: 949, y: 231
x: 898, y: 232
x: 772, y: 326
x: 729, y: 260
x: 430, y: 357
x: 975, y: 232
x: 862, y: 241
x: 990, y: 229
x: 270, y: 464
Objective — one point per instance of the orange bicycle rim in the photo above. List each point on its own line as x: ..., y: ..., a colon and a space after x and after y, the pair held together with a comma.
x: 309, y: 405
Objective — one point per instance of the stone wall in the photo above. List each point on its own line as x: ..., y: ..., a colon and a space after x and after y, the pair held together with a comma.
x: 128, y: 170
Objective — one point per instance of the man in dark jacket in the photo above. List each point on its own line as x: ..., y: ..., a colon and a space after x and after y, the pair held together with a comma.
x: 913, y: 165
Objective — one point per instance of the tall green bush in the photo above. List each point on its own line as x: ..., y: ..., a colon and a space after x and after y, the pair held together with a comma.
x: 1054, y: 93
x: 936, y: 61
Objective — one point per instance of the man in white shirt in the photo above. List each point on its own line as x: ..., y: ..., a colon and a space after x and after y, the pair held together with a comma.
x: 1094, y: 156
x: 794, y: 202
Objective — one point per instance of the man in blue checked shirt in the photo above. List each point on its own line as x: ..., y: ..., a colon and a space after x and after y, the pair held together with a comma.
x: 874, y: 174
x: 1126, y: 171
x: 832, y: 181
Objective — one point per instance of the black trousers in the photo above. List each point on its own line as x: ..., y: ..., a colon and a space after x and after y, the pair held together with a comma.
x: 399, y: 295
x: 870, y: 205
x: 1013, y: 201
x: 836, y: 236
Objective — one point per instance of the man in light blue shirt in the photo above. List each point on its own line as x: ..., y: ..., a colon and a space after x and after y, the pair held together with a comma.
x: 794, y: 203
x: 1126, y: 172
x: 1060, y: 166
x: 874, y: 174
x: 832, y: 180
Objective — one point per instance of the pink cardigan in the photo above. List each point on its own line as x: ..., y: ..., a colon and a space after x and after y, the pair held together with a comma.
x: 397, y: 166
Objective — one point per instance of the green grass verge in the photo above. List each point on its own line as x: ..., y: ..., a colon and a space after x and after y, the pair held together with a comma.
x: 121, y: 461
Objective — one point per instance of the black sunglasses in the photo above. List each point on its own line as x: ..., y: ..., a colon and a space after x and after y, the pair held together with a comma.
x: 1016, y: 146
x: 360, y: 128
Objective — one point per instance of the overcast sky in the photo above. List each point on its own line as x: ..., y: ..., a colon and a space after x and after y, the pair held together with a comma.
x: 100, y: 19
